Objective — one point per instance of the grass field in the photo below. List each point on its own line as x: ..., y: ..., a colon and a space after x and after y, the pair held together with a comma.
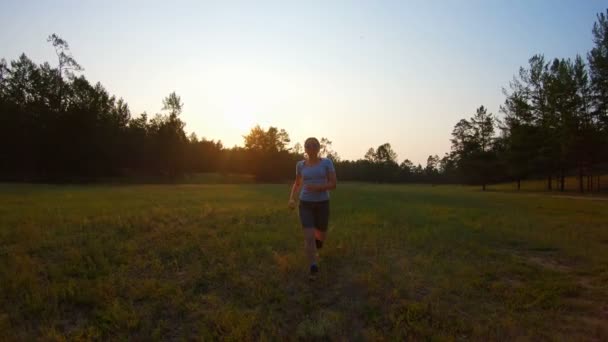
x: 205, y: 262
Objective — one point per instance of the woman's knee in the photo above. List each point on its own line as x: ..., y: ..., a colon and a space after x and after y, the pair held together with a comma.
x: 309, y: 234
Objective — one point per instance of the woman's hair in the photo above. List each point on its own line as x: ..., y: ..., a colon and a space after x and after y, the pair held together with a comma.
x: 313, y: 141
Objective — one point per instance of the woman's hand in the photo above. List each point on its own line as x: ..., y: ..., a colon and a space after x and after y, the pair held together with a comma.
x: 291, y: 204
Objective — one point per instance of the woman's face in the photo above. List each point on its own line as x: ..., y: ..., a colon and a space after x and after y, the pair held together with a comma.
x: 311, y: 148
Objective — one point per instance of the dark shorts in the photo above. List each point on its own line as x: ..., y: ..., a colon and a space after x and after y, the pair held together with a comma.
x: 314, y: 214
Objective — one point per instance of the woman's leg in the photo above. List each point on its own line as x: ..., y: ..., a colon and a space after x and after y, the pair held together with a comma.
x: 311, y: 248
x: 321, y: 222
x: 307, y: 219
x: 319, y: 237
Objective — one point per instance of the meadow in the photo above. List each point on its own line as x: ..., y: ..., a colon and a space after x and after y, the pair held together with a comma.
x: 221, y: 261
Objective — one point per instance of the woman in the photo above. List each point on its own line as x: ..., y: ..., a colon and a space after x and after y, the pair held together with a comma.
x: 318, y: 176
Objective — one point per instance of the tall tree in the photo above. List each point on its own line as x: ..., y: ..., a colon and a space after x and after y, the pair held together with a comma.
x: 370, y: 155
x: 271, y: 140
x: 406, y: 170
x: 3, y: 76
x: 598, y: 66
x: 472, y: 147
x: 169, y: 138
x: 267, y: 153
x: 297, y: 148
x: 519, y: 135
x: 432, y: 166
x: 385, y: 154
x: 173, y: 104
x: 66, y: 65
x: 327, y: 150
x: 598, y: 71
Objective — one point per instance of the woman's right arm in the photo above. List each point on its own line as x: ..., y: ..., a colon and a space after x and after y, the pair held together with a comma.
x: 295, y: 189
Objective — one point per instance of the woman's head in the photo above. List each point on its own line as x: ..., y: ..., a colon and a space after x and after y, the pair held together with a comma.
x: 312, y: 147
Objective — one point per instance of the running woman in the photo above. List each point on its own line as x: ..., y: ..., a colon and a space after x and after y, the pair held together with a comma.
x: 315, y: 176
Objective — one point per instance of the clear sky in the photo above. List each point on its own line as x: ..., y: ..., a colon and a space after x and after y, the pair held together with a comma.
x: 360, y: 73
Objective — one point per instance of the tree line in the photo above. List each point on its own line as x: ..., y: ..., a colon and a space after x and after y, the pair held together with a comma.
x: 554, y: 123
x: 55, y: 126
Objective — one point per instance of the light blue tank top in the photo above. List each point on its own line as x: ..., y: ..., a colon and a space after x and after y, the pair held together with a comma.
x: 316, y: 174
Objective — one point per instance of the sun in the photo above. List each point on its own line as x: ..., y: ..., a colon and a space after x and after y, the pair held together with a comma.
x: 243, y: 93
x: 241, y: 116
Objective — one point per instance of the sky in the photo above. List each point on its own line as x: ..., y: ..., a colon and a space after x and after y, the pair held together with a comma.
x: 360, y: 73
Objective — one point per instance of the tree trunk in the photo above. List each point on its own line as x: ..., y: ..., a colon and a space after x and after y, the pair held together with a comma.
x: 580, y: 180
x: 561, y: 180
x: 518, y: 184
x: 550, y: 183
x: 483, y: 187
x: 599, y: 184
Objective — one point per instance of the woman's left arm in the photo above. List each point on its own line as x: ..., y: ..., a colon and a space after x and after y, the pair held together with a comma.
x: 331, y: 181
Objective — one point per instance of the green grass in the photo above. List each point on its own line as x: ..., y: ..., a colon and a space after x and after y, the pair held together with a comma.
x: 204, y: 262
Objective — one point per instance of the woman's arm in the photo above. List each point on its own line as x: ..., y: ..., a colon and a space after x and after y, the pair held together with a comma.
x: 332, y: 181
x: 295, y: 189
